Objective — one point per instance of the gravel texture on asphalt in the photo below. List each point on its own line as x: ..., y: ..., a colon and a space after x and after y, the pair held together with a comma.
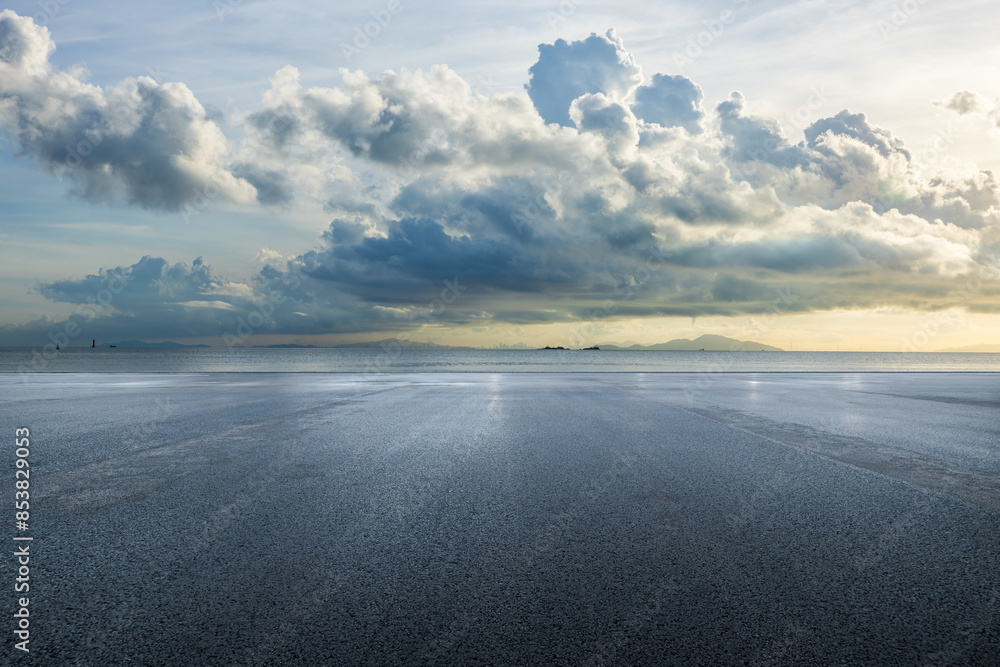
x: 477, y: 519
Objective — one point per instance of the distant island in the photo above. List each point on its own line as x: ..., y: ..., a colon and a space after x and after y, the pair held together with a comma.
x: 706, y: 343
x: 142, y: 343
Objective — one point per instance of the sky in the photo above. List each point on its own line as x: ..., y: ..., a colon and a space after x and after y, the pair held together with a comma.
x: 810, y: 175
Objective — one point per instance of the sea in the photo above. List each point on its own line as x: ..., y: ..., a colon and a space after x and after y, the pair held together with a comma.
x: 402, y: 360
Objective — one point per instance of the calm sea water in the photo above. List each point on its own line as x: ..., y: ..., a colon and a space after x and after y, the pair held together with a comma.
x: 128, y: 360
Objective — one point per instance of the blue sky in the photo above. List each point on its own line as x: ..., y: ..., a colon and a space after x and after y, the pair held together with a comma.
x: 813, y: 174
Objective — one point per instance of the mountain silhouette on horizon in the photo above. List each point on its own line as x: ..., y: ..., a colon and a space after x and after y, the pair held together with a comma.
x: 404, y: 344
x: 707, y: 342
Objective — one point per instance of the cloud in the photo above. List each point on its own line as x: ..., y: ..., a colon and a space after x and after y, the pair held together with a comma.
x: 140, y: 142
x: 968, y: 103
x: 150, y: 299
x: 568, y: 70
x: 585, y: 196
x: 385, y: 121
x: 841, y: 159
x: 615, y: 122
x: 153, y: 299
x: 23, y: 46
x: 754, y: 138
x: 272, y: 186
x: 408, y: 262
x: 670, y: 101
x: 854, y: 126
x: 964, y: 102
x: 152, y: 282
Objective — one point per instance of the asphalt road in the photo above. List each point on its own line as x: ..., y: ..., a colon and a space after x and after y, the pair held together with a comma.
x: 579, y: 519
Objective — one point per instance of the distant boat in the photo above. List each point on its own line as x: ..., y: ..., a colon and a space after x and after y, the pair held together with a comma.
x: 112, y: 346
x: 57, y: 346
x: 93, y: 343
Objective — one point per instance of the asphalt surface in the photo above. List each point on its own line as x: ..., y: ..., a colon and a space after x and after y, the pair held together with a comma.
x: 475, y: 519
